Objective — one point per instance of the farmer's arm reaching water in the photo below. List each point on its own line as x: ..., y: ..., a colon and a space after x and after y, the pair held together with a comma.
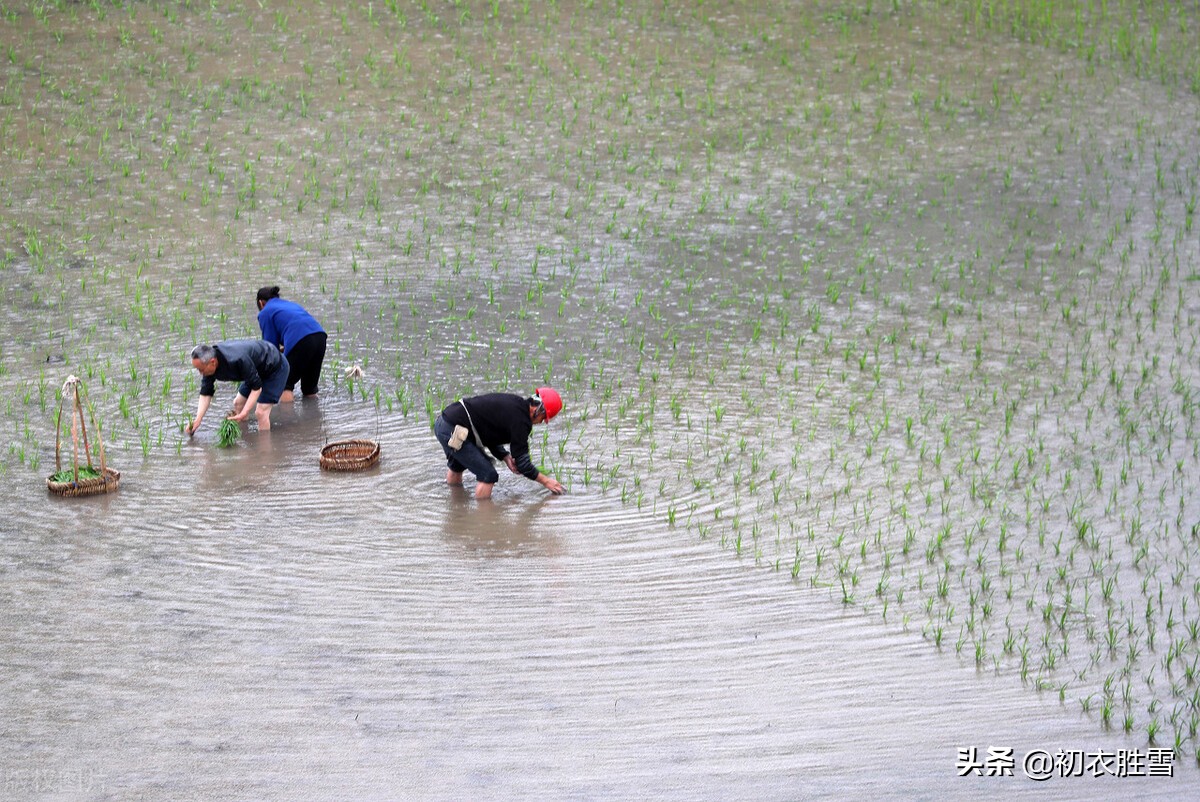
x: 520, y: 462
x: 201, y: 408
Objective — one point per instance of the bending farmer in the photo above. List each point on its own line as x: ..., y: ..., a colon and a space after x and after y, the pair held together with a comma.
x: 257, y: 364
x: 494, y: 420
x: 298, y: 334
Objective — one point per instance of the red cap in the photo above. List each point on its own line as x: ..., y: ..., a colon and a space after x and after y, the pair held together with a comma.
x: 550, y: 399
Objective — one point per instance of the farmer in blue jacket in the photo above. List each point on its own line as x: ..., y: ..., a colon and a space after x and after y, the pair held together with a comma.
x: 298, y: 334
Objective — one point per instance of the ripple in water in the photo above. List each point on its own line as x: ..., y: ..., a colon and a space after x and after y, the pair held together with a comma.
x: 283, y: 631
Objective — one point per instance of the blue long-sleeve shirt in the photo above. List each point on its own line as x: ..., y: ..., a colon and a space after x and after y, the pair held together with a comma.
x: 286, y: 323
x: 248, y: 361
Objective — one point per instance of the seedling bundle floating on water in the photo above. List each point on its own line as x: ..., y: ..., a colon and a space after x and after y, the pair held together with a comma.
x: 85, y: 479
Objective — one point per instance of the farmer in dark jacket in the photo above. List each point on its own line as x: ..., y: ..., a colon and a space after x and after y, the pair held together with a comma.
x: 257, y: 364
x: 493, y: 421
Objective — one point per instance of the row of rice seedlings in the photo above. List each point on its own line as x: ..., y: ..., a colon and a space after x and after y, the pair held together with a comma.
x: 1153, y: 40
x: 935, y: 548
x: 943, y: 585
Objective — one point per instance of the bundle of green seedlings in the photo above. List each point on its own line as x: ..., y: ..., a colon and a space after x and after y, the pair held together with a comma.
x: 228, y: 433
x: 68, y: 474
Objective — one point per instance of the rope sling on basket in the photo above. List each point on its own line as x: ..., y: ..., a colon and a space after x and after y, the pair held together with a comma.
x: 79, y: 480
x: 352, y: 455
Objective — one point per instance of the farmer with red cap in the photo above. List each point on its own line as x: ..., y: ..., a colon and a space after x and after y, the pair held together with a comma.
x: 492, y: 421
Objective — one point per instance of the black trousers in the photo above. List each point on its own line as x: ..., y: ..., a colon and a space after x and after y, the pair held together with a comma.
x: 305, y: 359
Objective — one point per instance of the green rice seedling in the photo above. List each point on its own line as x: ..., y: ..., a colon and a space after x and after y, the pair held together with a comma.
x: 69, y: 475
x: 228, y: 433
x: 1152, y: 730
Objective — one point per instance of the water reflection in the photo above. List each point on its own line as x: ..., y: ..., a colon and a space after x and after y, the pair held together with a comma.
x: 258, y: 459
x: 498, y: 527
x: 306, y: 411
x: 249, y: 462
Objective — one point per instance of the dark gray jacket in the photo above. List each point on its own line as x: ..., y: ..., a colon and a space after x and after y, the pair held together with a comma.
x: 248, y: 361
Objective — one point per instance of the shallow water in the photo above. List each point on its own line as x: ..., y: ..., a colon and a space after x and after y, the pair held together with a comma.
x: 876, y: 331
x: 292, y: 632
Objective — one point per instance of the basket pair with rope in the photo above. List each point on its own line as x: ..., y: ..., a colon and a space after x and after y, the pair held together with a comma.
x: 355, y: 454
x: 86, y: 479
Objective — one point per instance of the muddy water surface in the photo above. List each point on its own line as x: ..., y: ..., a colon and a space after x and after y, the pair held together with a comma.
x: 277, y: 631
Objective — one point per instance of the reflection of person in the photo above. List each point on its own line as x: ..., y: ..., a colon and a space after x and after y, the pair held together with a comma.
x: 501, y: 530
x: 298, y: 334
x: 494, y: 420
x: 257, y: 364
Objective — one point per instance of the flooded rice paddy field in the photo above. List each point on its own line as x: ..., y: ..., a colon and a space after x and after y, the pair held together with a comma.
x: 876, y: 326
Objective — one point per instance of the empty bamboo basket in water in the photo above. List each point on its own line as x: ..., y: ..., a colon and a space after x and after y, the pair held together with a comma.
x: 349, y: 455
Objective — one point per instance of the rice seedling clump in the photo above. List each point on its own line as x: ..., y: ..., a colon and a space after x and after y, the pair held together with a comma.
x: 68, y: 475
x: 228, y: 433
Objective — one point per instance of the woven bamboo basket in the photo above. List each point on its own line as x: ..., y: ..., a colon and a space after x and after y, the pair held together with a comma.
x: 109, y: 478
x: 86, y: 487
x: 349, y: 455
